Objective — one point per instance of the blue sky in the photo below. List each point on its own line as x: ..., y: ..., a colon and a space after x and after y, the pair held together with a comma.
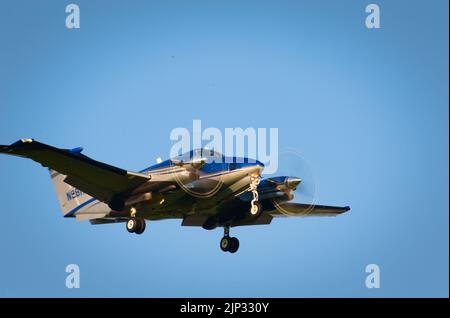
x: 367, y: 108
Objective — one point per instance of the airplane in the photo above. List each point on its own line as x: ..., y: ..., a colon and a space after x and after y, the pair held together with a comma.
x: 201, y: 188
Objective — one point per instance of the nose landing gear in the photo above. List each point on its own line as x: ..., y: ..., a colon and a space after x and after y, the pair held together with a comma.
x: 227, y: 243
x: 255, y: 206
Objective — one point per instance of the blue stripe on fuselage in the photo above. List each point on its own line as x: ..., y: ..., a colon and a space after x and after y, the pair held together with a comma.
x: 72, y: 212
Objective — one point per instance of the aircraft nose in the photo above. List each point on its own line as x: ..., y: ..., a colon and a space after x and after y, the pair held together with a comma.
x: 293, y: 182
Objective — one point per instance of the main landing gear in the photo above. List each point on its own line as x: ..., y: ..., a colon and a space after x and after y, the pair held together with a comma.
x: 227, y: 243
x: 135, y: 224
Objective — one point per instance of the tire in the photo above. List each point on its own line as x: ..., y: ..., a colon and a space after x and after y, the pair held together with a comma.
x: 257, y: 211
x: 132, y: 225
x: 234, y: 245
x: 140, y: 226
x: 225, y: 243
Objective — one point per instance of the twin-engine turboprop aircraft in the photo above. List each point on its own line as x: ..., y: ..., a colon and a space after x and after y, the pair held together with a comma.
x: 203, y: 188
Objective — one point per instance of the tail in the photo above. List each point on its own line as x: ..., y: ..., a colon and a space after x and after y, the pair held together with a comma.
x: 70, y: 198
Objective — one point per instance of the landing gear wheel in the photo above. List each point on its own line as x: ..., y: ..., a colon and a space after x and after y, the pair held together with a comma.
x: 132, y: 225
x: 229, y: 244
x: 136, y: 225
x: 255, y: 209
x: 225, y: 243
x: 234, y: 245
x: 141, y: 226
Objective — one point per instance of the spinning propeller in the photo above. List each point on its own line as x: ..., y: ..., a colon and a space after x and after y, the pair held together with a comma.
x: 298, y: 182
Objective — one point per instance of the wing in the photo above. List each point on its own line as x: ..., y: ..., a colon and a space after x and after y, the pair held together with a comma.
x: 299, y: 209
x: 97, y: 179
x: 275, y: 194
x: 199, y: 220
x: 294, y: 209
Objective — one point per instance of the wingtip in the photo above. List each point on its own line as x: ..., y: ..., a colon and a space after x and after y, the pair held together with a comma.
x: 5, y: 149
x: 11, y: 149
x: 343, y: 210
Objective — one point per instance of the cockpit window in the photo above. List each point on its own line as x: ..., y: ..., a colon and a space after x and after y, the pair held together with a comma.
x: 210, y: 154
